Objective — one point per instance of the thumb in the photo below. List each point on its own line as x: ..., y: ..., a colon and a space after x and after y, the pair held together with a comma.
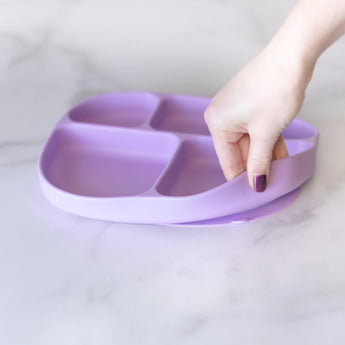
x: 259, y: 161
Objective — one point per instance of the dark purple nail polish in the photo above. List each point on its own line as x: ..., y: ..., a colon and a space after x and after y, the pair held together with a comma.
x: 260, y: 183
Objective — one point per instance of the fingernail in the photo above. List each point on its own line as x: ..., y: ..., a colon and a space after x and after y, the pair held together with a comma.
x: 260, y: 183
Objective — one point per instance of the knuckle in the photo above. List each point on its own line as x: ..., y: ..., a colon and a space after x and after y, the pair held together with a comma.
x: 265, y: 134
x: 210, y: 115
x: 263, y: 160
x: 259, y: 164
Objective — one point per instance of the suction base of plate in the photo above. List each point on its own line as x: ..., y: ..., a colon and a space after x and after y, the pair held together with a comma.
x: 243, y: 217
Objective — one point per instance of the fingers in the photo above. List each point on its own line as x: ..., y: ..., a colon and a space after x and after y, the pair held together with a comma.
x: 243, y: 144
x: 261, y: 152
x: 240, y: 151
x: 259, y: 161
x: 229, y: 156
x: 252, y: 154
x: 279, y: 149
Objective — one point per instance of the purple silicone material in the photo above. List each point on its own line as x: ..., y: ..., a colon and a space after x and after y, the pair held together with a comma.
x: 246, y: 216
x: 143, y: 157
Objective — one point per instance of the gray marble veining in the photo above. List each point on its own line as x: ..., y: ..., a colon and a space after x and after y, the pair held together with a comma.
x: 70, y: 280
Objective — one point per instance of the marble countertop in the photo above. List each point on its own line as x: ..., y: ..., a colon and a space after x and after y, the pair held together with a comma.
x: 70, y: 280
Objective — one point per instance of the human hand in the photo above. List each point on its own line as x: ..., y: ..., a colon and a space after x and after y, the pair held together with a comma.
x: 246, y: 118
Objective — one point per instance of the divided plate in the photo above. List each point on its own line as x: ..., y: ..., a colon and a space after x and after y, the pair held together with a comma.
x: 144, y: 157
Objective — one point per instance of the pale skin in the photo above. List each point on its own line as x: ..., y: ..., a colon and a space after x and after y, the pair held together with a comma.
x: 246, y: 117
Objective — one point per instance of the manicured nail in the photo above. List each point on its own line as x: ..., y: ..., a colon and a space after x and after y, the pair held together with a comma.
x: 260, y: 183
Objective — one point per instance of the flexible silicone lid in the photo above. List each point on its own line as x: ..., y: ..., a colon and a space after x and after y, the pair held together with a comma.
x: 143, y: 157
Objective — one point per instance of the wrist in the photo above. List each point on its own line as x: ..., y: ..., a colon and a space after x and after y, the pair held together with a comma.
x: 294, y: 63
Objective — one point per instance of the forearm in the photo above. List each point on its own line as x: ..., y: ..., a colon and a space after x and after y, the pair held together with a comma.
x: 246, y: 118
x: 311, y: 27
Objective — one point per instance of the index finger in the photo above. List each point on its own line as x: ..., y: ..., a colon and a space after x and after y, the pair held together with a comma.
x: 229, y: 156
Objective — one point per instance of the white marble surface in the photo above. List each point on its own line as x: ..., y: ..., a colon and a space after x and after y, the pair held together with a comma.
x: 69, y: 280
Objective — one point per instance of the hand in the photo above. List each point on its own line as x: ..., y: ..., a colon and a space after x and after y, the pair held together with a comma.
x: 246, y: 118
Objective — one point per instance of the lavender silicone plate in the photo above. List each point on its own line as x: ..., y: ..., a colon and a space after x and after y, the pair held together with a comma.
x: 144, y: 157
